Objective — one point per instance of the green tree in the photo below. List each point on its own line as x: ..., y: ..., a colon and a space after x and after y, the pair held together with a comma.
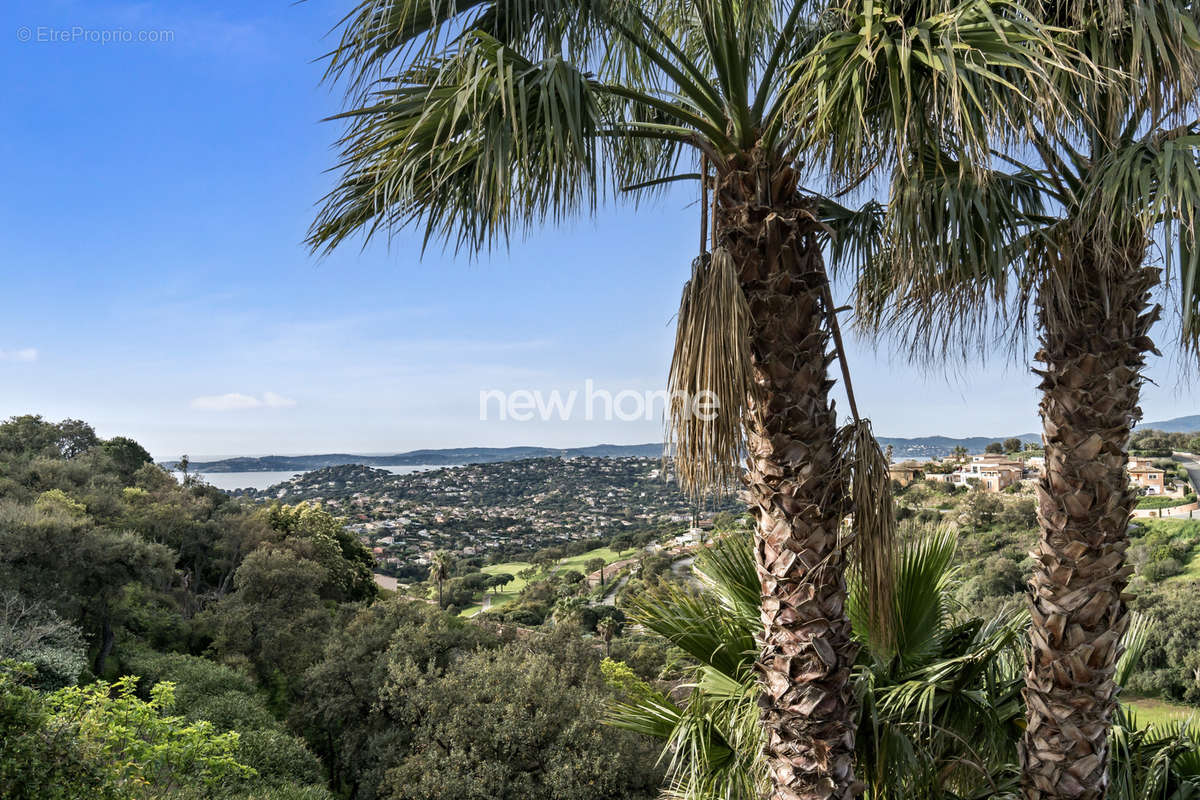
x: 342, y: 707
x: 317, y: 535
x: 621, y: 542
x: 499, y: 580
x: 511, y: 724
x: 607, y: 628
x: 127, y: 455
x: 1012, y: 445
x: 32, y: 633
x: 275, y: 617
x: 531, y: 113
x: 994, y: 447
x: 57, y: 555
x: 594, y: 565
x: 104, y: 742
x: 569, y: 610
x: 981, y: 507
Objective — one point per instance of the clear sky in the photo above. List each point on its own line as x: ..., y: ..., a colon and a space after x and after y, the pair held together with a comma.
x: 155, y: 284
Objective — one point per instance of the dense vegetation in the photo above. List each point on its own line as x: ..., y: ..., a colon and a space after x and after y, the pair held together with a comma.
x: 160, y: 639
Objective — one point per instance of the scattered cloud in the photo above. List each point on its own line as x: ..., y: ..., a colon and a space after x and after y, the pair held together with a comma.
x: 235, y: 401
x: 26, y: 354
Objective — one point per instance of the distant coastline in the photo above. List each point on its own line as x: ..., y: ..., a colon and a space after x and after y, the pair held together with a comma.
x: 922, y: 447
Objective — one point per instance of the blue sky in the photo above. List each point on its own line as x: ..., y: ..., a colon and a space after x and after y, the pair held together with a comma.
x: 155, y: 283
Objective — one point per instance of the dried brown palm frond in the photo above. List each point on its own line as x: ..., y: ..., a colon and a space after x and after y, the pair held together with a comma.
x: 874, y: 522
x: 711, y: 362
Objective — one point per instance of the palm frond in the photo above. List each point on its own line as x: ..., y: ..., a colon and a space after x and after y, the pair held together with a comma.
x: 710, y: 383
x: 957, y: 245
x: 466, y: 146
x: 727, y: 571
x: 699, y: 625
x: 910, y: 631
x: 893, y: 76
x: 874, y: 524
x: 1152, y: 186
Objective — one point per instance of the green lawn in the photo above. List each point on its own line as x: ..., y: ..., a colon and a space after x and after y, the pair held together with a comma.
x: 1151, y: 711
x: 511, y: 590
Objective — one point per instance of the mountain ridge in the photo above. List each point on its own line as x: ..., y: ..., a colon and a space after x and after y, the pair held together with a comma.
x: 902, y: 447
x: 1189, y: 424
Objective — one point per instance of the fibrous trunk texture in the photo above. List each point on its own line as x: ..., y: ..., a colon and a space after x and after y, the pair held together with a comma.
x: 795, y: 487
x: 1095, y: 319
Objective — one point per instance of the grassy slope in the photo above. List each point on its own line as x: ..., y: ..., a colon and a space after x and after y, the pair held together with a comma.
x: 511, y: 590
x: 1153, y: 711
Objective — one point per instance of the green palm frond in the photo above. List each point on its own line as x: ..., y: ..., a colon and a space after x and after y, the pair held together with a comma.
x: 1133, y: 646
x: 698, y: 625
x: 466, y: 147
x: 727, y: 571
x: 1113, y: 160
x: 919, y: 603
x: 855, y: 237
x: 893, y: 76
x: 1153, y: 185
x: 941, y: 710
x: 956, y: 245
x: 1153, y: 762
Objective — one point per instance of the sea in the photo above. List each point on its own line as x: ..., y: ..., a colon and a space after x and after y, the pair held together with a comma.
x: 261, y: 480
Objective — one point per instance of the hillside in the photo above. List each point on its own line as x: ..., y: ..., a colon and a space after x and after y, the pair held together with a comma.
x: 492, y: 511
x: 439, y: 457
x: 940, y: 446
x: 1190, y: 424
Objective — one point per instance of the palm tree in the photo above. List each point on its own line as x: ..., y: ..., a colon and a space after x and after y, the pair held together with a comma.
x: 439, y: 571
x: 470, y: 118
x: 1066, y: 228
x: 568, y: 610
x: 607, y: 628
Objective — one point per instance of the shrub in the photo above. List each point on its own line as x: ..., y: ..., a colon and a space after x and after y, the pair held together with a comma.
x: 1155, y: 571
x: 33, y: 633
x: 278, y: 757
x: 1161, y: 502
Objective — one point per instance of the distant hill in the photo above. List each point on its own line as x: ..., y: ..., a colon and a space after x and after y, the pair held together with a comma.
x: 445, y: 457
x: 1178, y: 425
x: 920, y: 447
x: 939, y: 446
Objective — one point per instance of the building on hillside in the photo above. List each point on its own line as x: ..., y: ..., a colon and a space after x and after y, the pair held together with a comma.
x: 906, y: 472
x: 1144, y: 475
x: 991, y: 472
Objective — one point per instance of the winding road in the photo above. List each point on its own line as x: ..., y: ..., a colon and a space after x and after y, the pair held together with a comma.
x: 1189, y: 462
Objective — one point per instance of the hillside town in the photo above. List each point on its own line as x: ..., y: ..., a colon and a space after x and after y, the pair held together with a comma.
x: 494, y: 511
x: 1162, y: 479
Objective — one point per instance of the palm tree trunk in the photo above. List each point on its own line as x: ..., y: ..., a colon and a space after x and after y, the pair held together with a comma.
x: 1094, y: 327
x: 107, y: 638
x: 796, y: 490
